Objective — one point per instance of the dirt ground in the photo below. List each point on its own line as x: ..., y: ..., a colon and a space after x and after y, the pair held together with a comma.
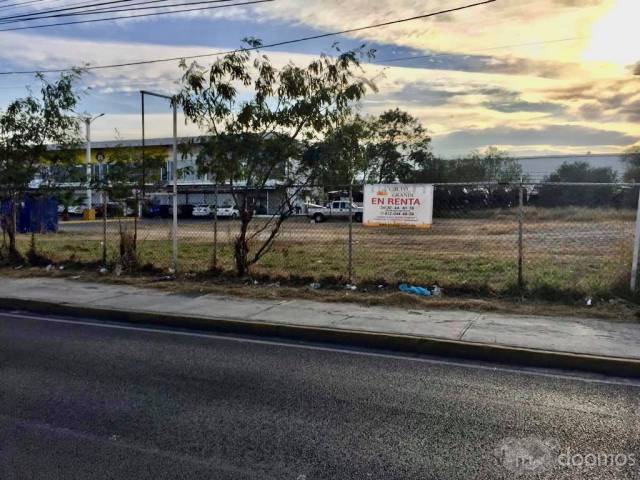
x: 587, y: 257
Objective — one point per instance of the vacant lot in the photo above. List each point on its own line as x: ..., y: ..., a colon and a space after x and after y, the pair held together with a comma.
x: 582, y: 252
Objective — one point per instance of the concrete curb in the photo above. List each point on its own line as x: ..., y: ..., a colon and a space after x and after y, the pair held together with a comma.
x: 616, y: 366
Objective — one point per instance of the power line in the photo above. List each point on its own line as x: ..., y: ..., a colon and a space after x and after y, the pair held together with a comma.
x: 271, y: 45
x: 67, y: 8
x: 18, y: 4
x: 128, y: 8
x: 127, y: 17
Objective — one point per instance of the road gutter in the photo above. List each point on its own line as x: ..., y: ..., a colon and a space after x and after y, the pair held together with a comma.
x: 513, y: 356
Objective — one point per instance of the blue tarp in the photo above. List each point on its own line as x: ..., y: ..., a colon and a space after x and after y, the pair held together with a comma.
x: 35, y: 214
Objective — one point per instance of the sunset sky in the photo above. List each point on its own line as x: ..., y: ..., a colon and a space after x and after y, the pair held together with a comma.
x: 531, y: 77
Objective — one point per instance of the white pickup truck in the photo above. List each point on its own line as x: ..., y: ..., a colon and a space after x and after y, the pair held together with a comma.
x: 335, y: 209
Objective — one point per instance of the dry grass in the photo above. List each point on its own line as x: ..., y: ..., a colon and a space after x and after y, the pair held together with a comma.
x: 565, y: 259
x: 614, y: 310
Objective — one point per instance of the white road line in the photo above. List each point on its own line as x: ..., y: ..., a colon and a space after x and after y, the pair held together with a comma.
x: 345, y: 350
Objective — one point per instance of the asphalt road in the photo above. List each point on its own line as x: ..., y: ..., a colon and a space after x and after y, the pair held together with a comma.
x: 95, y: 400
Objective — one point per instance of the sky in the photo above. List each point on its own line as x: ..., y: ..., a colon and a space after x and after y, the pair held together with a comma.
x: 530, y: 77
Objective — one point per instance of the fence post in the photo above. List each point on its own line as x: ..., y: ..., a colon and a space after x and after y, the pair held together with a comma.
x: 174, y: 229
x: 105, y: 202
x: 215, y: 229
x: 350, y: 249
x: 636, y: 249
x: 520, y: 237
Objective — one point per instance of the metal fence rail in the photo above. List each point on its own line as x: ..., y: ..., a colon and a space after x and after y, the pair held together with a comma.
x: 564, y: 239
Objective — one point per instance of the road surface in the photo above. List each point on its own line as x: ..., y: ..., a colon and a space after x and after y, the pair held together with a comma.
x: 94, y: 400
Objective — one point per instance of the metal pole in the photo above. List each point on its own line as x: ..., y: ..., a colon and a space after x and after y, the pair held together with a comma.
x: 350, y: 253
x: 520, y: 237
x: 174, y: 230
x: 87, y: 123
x: 174, y: 162
x: 215, y: 229
x: 636, y: 249
x: 104, y: 216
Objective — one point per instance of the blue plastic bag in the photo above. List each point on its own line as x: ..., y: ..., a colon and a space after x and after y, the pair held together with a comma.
x: 421, y: 291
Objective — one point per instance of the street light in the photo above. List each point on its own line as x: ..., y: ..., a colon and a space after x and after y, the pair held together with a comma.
x: 87, y: 123
x: 636, y: 242
x: 174, y: 169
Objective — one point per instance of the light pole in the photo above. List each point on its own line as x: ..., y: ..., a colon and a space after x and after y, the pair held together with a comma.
x: 174, y: 172
x: 636, y: 238
x: 87, y: 124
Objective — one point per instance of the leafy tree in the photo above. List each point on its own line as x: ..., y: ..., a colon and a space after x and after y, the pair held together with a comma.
x: 342, y: 155
x: 67, y: 198
x: 632, y: 162
x: 258, y: 118
x: 27, y: 127
x: 491, y: 165
x: 591, y: 196
x: 398, y: 144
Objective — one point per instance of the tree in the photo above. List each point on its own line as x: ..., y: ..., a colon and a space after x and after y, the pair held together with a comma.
x: 577, y: 195
x: 125, y: 175
x: 342, y: 155
x: 258, y: 119
x: 632, y: 162
x: 399, y: 143
x: 28, y: 127
x: 491, y: 165
x: 67, y: 198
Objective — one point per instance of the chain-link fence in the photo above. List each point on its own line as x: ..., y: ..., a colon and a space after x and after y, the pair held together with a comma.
x: 557, y: 239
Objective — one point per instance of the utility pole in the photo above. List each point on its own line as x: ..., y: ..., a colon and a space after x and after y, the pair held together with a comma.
x: 87, y: 127
x: 174, y: 174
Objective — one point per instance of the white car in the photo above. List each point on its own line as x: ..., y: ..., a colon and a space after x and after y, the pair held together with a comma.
x: 75, y: 209
x: 228, y: 212
x: 202, y: 211
x: 209, y: 210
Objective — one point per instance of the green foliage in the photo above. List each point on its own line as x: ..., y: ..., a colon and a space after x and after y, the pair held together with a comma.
x: 632, y: 162
x: 398, y: 145
x: 342, y: 155
x: 491, y: 165
x: 590, y: 196
x: 27, y: 127
x: 259, y: 117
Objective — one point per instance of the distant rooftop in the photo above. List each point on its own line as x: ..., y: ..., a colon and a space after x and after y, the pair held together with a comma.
x: 168, y: 141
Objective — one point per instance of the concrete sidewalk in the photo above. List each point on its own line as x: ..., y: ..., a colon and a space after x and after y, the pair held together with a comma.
x: 581, y: 337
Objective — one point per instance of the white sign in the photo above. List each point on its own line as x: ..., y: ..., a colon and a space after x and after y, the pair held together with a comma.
x: 398, y: 204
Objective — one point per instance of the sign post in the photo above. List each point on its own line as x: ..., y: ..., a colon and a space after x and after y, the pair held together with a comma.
x: 399, y: 204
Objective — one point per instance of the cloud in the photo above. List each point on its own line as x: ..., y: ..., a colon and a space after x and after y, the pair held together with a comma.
x: 557, y: 135
x: 461, y: 109
x: 509, y: 101
x: 487, y: 64
x: 497, y: 98
x: 422, y: 94
x: 605, y: 100
x: 483, y: 27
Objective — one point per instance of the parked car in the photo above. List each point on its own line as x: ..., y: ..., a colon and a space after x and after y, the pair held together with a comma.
x: 228, y: 212
x: 335, y: 209
x: 156, y: 211
x: 74, y: 209
x: 184, y: 211
x: 115, y: 209
x: 202, y: 211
